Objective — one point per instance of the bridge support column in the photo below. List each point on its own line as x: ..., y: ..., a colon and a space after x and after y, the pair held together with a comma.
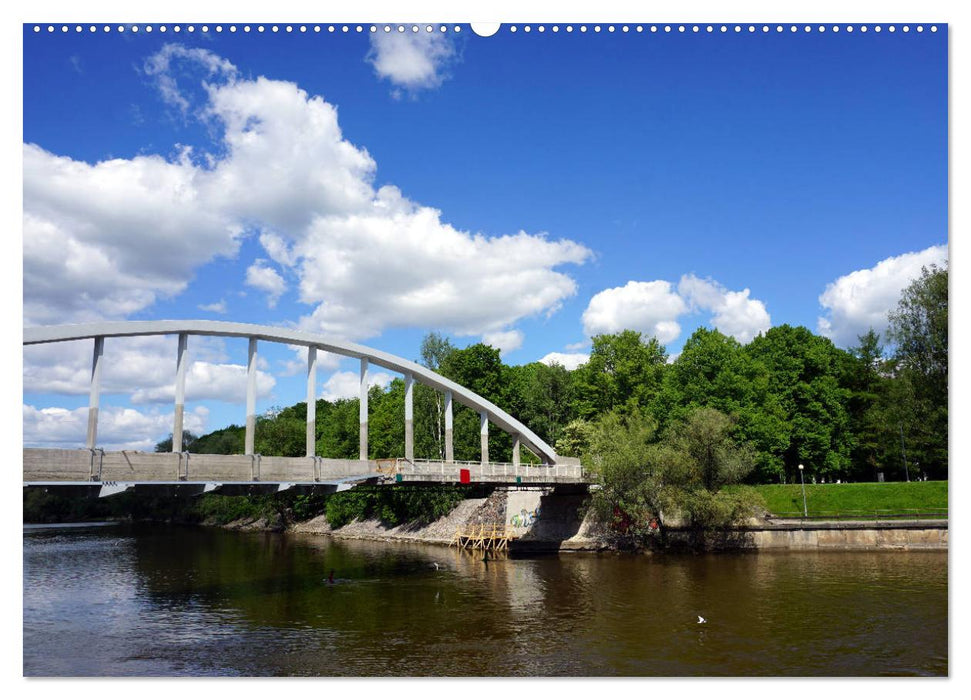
x: 515, y: 451
x: 251, y: 399
x: 95, y: 397
x: 311, y: 401
x: 363, y: 412
x: 484, y: 436
x: 180, y: 360
x: 449, y: 450
x: 409, y: 417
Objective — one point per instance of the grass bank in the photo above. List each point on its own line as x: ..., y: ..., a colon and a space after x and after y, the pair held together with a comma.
x: 916, y: 498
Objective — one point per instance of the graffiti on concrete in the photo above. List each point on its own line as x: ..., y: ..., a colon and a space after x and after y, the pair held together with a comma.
x: 525, y: 518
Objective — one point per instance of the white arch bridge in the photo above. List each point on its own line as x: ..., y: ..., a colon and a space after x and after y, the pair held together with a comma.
x: 113, y: 472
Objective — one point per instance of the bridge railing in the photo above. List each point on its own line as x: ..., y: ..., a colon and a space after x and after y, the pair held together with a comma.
x: 490, y: 470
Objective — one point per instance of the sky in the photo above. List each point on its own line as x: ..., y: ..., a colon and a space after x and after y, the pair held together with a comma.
x: 528, y: 190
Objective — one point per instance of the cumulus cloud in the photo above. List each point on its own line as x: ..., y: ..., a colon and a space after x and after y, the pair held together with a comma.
x: 81, y: 222
x: 735, y: 314
x: 411, y: 60
x: 505, y: 341
x: 217, y: 307
x: 347, y: 385
x: 862, y: 299
x: 648, y: 307
x: 364, y: 259
x: 569, y: 360
x: 118, y: 428
x: 653, y: 309
x: 267, y: 279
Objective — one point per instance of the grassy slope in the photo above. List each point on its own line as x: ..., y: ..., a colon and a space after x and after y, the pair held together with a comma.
x: 853, y: 499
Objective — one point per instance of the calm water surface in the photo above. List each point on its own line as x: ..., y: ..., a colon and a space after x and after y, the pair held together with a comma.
x: 121, y: 600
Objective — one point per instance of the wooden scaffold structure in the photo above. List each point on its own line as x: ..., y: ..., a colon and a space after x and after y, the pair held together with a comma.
x: 490, y: 537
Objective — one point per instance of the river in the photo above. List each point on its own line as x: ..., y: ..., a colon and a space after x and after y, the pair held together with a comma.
x: 122, y: 600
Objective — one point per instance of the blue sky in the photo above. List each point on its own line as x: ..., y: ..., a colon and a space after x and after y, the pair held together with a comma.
x: 531, y: 190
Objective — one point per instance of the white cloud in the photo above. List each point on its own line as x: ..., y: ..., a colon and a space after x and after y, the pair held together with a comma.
x: 347, y: 385
x: 159, y: 66
x: 266, y: 279
x: 365, y: 259
x: 209, y: 381
x: 569, y: 360
x: 648, y: 307
x: 81, y: 224
x: 505, y: 341
x: 653, y: 309
x: 735, y: 314
x: 118, y: 428
x: 411, y: 60
x: 217, y: 307
x: 862, y: 299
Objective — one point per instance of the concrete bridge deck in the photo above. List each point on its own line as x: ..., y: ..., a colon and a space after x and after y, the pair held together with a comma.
x: 113, y: 472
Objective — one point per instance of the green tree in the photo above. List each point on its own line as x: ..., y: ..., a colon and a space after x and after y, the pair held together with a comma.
x: 282, y: 432
x: 623, y: 372
x: 806, y: 374
x: 713, y: 370
x: 633, y: 489
x: 188, y: 440
x: 870, y: 420
x: 429, y: 403
x: 918, y: 329
x: 547, y: 400
x: 645, y: 485
x: 225, y: 441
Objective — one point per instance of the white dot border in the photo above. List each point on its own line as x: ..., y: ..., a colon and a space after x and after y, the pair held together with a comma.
x: 539, y: 29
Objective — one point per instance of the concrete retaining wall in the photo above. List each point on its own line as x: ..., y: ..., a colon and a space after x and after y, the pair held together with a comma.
x: 905, y: 535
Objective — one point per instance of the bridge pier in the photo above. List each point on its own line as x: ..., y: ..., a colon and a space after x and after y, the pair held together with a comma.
x: 250, y: 442
x: 180, y: 361
x: 409, y: 417
x: 363, y: 411
x: 449, y: 450
x: 484, y: 436
x: 311, y: 401
x: 95, y: 396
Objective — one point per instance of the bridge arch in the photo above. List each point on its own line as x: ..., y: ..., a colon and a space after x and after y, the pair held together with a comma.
x: 412, y: 371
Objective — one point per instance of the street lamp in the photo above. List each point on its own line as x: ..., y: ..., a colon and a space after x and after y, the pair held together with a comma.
x: 805, y: 510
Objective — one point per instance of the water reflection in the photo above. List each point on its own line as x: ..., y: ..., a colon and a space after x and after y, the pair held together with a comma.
x: 171, y: 601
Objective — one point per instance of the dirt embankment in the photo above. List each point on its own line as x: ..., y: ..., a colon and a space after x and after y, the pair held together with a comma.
x: 556, y: 524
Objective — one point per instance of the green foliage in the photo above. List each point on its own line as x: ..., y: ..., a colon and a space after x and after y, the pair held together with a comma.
x: 633, y: 486
x: 805, y: 377
x: 646, y: 483
x: 188, y: 442
x: 225, y: 441
x: 624, y: 372
x: 221, y: 510
x: 393, y: 505
x: 919, y: 329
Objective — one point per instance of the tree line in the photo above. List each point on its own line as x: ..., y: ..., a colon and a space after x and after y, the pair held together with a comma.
x: 788, y: 397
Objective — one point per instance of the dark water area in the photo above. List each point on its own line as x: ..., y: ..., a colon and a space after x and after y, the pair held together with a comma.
x: 126, y: 600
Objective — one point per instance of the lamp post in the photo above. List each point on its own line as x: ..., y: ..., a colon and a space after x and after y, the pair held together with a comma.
x: 805, y: 510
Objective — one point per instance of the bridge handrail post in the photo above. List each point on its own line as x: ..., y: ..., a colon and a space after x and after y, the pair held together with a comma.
x: 185, y: 476
x: 101, y: 459
x: 255, y: 466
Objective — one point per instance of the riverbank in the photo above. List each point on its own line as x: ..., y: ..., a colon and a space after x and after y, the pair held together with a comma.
x: 558, y: 523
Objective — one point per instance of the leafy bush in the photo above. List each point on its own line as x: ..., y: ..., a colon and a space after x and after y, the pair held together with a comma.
x: 393, y: 505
